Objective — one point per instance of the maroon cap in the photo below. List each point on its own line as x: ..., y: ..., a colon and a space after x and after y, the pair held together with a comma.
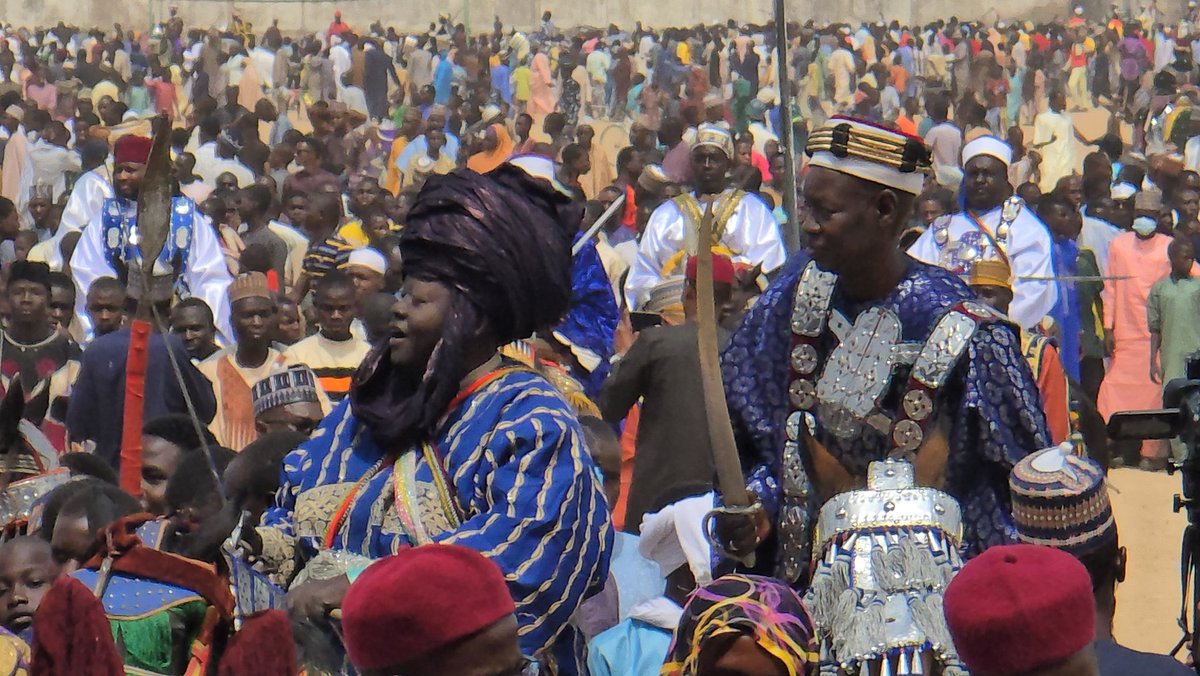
x: 1020, y: 608
x: 722, y: 269
x: 432, y: 596
x: 132, y: 149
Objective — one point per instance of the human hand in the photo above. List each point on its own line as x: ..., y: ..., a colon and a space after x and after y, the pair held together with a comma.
x: 1156, y: 371
x: 316, y: 599
x: 1110, y: 343
x: 739, y: 533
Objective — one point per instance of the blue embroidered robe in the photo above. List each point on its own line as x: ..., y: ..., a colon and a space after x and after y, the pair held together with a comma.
x: 520, y: 478
x: 989, y: 405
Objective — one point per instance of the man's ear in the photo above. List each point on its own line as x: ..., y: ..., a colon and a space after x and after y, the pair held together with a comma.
x: 888, y: 204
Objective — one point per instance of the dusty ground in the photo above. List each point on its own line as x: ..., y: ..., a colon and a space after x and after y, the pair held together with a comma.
x: 1148, y: 601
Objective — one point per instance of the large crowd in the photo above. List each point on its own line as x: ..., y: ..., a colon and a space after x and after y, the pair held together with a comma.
x: 364, y: 351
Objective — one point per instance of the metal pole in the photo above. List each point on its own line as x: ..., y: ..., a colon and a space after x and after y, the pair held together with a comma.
x: 791, y: 229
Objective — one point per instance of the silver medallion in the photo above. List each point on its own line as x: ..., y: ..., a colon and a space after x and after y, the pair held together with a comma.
x: 917, y: 404
x: 946, y: 342
x: 804, y: 359
x: 794, y: 517
x: 794, y: 420
x: 941, y: 235
x: 795, y: 478
x: 802, y: 394
x: 908, y: 435
x: 970, y: 254
x: 981, y: 310
x: 812, y: 301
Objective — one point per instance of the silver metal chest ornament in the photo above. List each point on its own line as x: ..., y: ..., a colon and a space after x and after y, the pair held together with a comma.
x: 886, y: 555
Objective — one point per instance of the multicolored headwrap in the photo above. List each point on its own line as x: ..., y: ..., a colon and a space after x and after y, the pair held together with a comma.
x: 762, y: 608
x: 502, y: 241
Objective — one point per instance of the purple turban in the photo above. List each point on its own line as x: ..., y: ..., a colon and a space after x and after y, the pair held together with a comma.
x: 502, y: 240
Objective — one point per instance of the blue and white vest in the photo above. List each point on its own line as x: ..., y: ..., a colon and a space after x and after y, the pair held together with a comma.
x: 120, y: 236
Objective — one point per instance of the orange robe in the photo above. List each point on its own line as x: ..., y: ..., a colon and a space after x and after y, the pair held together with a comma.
x: 1052, y: 383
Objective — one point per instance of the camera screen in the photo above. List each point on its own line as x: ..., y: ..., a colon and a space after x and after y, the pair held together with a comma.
x: 1160, y: 424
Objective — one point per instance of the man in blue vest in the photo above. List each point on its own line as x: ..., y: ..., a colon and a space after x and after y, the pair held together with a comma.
x: 112, y: 239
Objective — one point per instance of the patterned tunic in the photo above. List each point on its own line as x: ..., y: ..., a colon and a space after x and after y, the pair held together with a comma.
x: 989, y: 405
x: 515, y: 483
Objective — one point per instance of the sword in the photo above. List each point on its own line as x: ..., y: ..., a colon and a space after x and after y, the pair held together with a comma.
x: 608, y: 213
x: 720, y: 430
x: 1072, y: 278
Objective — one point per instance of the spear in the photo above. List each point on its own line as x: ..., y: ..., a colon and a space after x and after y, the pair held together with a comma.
x: 791, y: 232
x: 153, y: 226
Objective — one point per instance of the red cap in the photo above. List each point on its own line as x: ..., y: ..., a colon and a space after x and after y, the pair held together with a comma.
x: 1020, y: 608
x: 432, y: 596
x: 132, y: 149
x: 721, y: 265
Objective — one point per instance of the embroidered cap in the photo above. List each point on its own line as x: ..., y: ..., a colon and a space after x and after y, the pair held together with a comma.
x: 297, y: 384
x: 654, y: 179
x: 871, y: 153
x: 714, y: 136
x: 249, y: 285
x: 1061, y: 500
x: 990, y: 272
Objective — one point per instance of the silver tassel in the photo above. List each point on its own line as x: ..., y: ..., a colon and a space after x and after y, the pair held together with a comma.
x: 917, y: 669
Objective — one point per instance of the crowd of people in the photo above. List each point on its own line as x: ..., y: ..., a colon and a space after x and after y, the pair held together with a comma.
x: 417, y: 382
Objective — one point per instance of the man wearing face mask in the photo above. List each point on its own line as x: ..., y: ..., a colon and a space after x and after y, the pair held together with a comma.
x: 994, y: 225
x: 1136, y: 260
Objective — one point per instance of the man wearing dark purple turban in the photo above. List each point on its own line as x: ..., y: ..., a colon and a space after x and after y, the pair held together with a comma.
x: 441, y: 440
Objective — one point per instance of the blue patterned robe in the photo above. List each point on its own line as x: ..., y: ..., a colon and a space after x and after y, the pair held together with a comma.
x: 522, y: 483
x: 990, y: 405
x: 590, y: 325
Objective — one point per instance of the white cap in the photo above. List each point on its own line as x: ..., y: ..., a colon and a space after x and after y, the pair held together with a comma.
x: 368, y: 258
x: 1123, y: 191
x: 825, y: 150
x: 673, y: 537
x: 990, y: 146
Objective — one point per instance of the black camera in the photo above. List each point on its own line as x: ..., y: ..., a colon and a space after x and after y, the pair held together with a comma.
x: 1179, y: 417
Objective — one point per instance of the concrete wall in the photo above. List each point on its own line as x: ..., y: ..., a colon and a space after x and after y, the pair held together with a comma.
x: 305, y: 15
